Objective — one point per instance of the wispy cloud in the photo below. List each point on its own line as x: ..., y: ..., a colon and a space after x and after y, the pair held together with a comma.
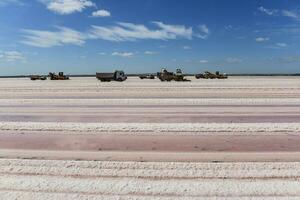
x: 204, y: 31
x: 118, y: 33
x: 233, y: 60
x: 150, y: 52
x: 262, y: 39
x: 101, y: 13
x: 203, y: 61
x: 10, y: 2
x: 64, y: 7
x: 123, y: 54
x: 276, y: 12
x: 131, y: 32
x: 11, y: 56
x: 187, y: 47
x: 45, y: 39
x: 280, y: 44
x: 162, y: 46
x: 267, y: 11
x: 291, y: 14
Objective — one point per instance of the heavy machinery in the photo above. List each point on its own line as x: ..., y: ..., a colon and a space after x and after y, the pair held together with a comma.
x: 37, y: 77
x: 178, y: 76
x: 164, y: 75
x: 147, y: 76
x: 59, y: 76
x: 115, y: 76
x: 209, y: 75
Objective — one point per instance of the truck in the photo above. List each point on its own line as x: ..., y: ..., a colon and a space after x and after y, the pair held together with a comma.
x: 209, y: 75
x: 115, y: 76
x: 164, y: 75
x: 38, y: 77
x: 59, y: 76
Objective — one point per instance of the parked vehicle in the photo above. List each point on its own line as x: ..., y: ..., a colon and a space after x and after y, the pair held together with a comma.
x: 37, y: 77
x: 209, y: 75
x: 59, y: 76
x: 179, y: 76
x: 164, y: 75
x: 115, y: 76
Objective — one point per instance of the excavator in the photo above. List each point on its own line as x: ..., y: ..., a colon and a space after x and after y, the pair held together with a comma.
x: 179, y: 76
x: 164, y: 75
x: 59, y: 76
x: 209, y: 75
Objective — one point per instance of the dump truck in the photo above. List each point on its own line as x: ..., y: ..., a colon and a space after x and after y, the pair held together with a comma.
x: 147, y: 76
x: 115, y: 76
x: 209, y: 75
x: 37, y: 77
x: 164, y: 75
x: 59, y: 76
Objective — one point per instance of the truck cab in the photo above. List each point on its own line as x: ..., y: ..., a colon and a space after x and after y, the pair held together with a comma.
x: 120, y: 76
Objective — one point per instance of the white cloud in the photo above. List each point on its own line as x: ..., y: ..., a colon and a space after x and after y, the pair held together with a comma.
x: 102, y: 53
x: 123, y: 54
x: 131, y: 32
x: 203, y: 61
x: 101, y: 13
x: 162, y: 46
x: 11, y: 56
x: 187, y: 47
x: 262, y: 39
x: 233, y: 60
x: 267, y: 11
x: 45, y: 39
x: 64, y: 7
x: 291, y: 14
x: 118, y: 33
x: 280, y: 44
x: 204, y: 31
x: 177, y: 30
x: 150, y: 52
x: 276, y: 12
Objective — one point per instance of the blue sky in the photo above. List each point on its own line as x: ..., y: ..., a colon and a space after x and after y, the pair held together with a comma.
x: 85, y: 36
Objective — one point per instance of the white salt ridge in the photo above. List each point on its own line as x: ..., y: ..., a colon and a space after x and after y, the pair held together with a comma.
x: 154, y: 128
x: 152, y: 187
x: 161, y: 101
x: 36, y: 179
x: 66, y: 196
x: 175, y: 170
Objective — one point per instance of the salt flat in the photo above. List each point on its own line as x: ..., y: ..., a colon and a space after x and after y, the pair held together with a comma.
x: 83, y: 139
